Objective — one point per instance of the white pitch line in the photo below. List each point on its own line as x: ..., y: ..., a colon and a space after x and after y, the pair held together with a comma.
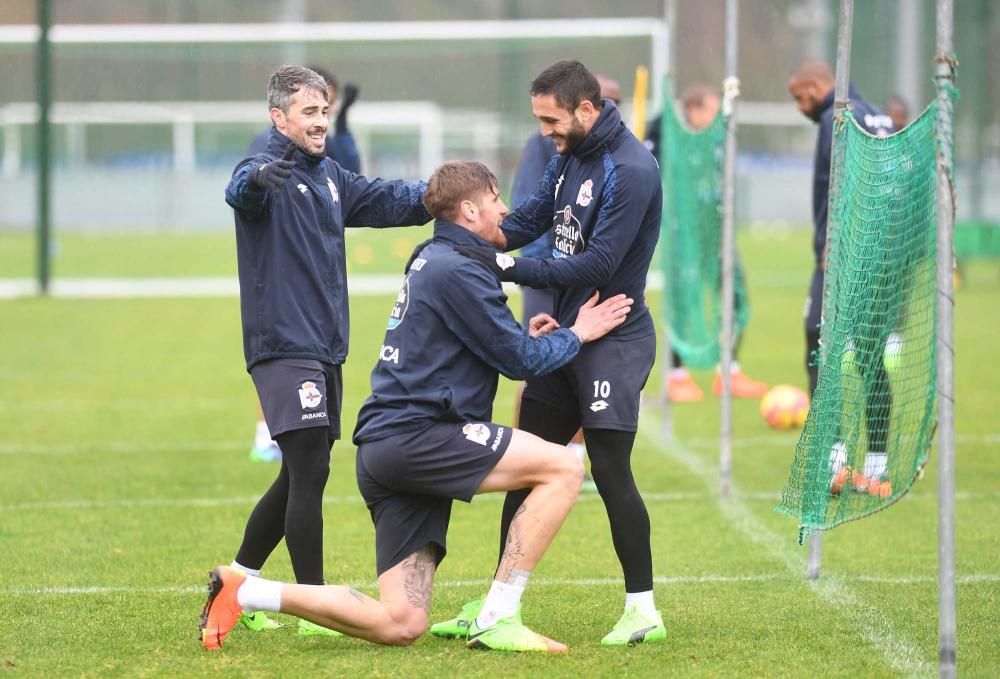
x: 692, y: 580
x: 790, y: 440
x: 117, y: 447
x: 873, y: 626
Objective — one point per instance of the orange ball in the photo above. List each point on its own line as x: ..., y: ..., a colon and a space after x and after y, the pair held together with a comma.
x: 785, y: 407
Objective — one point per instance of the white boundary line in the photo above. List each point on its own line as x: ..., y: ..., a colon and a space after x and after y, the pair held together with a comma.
x: 246, y: 500
x: 981, y: 578
x: 872, y: 625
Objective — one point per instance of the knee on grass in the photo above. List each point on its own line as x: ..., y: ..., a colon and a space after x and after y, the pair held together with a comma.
x: 406, y: 624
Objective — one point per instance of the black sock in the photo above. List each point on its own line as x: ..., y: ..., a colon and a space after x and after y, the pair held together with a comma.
x: 305, y: 467
x: 610, y: 453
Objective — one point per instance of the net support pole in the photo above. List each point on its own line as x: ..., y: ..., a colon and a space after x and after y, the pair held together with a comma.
x: 670, y: 19
x: 730, y: 92
x: 43, y: 83
x: 945, y: 79
x: 840, y: 100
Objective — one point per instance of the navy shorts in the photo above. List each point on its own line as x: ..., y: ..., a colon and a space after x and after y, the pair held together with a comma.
x: 409, y: 481
x: 536, y: 302
x: 299, y: 393
x: 601, y: 385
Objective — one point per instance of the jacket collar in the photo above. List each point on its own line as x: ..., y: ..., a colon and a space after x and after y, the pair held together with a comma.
x: 606, y: 132
x: 453, y: 234
x: 277, y: 143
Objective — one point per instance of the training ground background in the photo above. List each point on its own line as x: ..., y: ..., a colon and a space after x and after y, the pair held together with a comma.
x: 124, y: 431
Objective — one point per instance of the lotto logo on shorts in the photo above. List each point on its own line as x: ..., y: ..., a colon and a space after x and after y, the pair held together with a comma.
x: 309, y: 395
x: 477, y: 433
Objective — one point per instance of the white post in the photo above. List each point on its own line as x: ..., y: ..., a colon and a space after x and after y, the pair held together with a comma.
x: 670, y: 19
x: 945, y: 76
x: 840, y: 99
x: 731, y: 90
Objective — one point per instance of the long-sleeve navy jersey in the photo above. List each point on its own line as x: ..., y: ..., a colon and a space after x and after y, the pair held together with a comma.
x: 870, y: 118
x: 449, y: 335
x: 603, y: 202
x: 340, y: 148
x: 537, y: 153
x: 290, y: 250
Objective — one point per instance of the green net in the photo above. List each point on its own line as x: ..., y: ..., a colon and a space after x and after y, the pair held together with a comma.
x: 691, y: 235
x: 872, y: 419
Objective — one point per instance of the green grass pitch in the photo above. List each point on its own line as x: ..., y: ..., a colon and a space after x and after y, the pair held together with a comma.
x: 124, y: 430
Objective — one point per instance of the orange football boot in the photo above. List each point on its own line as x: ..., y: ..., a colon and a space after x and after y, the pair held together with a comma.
x: 222, y: 610
x: 740, y: 386
x: 682, y: 389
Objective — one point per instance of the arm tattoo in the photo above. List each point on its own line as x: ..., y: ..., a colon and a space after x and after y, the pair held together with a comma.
x: 418, y: 578
x: 513, y: 551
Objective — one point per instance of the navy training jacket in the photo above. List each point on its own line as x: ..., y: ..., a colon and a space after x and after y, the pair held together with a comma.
x: 290, y: 251
x: 449, y: 335
x: 871, y: 119
x: 603, y: 203
x: 535, y: 157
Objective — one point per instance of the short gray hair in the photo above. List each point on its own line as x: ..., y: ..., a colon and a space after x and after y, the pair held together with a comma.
x: 288, y: 80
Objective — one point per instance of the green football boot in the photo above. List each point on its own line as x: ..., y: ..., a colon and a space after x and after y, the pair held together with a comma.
x: 311, y: 629
x: 510, y: 634
x: 258, y: 622
x: 458, y: 627
x: 635, y: 628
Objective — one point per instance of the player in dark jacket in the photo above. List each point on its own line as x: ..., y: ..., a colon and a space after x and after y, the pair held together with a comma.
x: 812, y: 86
x: 425, y: 439
x: 291, y: 206
x: 602, y: 197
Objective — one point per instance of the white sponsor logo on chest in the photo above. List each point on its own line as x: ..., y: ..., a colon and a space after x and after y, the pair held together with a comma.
x: 586, y: 193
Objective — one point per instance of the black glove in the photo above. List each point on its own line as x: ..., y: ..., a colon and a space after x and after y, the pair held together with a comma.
x: 350, y: 94
x: 500, y: 264
x: 272, y: 176
x: 415, y: 253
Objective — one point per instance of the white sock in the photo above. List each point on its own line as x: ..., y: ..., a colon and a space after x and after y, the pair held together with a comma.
x: 502, y: 599
x: 258, y: 594
x: 679, y: 374
x: 577, y: 449
x: 240, y: 567
x: 262, y: 439
x: 643, y: 601
x: 876, y: 465
x: 838, y: 456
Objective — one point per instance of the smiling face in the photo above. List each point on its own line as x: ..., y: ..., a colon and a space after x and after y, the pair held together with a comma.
x: 808, y: 95
x: 566, y: 128
x: 306, y: 121
x: 485, y: 214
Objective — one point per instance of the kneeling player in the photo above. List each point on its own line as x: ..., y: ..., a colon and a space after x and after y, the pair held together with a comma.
x: 425, y: 439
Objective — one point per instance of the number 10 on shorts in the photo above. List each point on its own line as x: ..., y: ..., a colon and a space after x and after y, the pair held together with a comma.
x: 602, y: 388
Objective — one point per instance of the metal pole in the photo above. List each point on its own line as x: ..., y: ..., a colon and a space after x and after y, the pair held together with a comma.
x: 43, y: 76
x: 840, y: 100
x: 731, y: 89
x: 670, y: 16
x: 945, y: 77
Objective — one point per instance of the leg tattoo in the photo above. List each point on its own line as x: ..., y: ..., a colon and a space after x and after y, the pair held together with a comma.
x: 418, y: 581
x: 514, y: 549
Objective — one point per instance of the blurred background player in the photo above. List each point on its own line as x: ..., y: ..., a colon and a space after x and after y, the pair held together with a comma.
x: 537, y: 153
x: 812, y: 86
x: 898, y: 110
x: 342, y: 149
x: 701, y: 105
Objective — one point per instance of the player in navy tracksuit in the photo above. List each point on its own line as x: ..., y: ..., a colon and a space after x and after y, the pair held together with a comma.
x: 602, y: 199
x: 341, y: 148
x: 425, y: 438
x: 812, y: 86
x: 291, y: 206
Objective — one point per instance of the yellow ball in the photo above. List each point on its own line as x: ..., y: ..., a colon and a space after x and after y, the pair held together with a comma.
x: 785, y: 407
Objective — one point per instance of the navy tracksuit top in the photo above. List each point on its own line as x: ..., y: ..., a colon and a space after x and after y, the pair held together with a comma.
x: 290, y: 250
x: 603, y: 202
x: 449, y: 335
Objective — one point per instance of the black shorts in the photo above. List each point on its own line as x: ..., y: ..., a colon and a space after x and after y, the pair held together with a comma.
x: 536, y: 302
x: 601, y: 386
x: 299, y: 393
x: 409, y: 481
